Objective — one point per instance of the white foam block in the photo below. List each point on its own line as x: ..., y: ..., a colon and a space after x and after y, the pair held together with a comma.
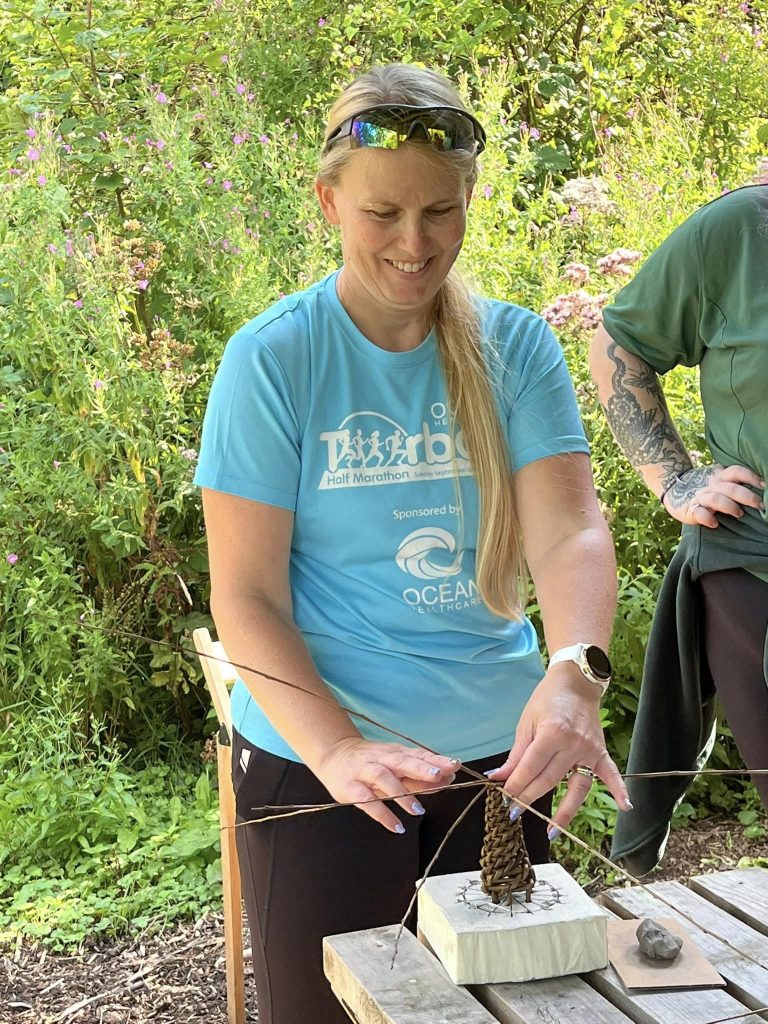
x: 560, y: 932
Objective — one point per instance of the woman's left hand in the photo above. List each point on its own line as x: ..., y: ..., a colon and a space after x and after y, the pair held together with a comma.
x: 558, y: 730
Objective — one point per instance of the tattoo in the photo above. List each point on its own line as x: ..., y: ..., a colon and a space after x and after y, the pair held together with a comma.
x: 684, y: 490
x: 644, y: 430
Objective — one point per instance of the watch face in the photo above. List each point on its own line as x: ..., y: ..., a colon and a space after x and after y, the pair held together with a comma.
x: 598, y: 662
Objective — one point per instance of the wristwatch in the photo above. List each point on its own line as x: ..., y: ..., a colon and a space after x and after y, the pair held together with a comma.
x: 591, y: 659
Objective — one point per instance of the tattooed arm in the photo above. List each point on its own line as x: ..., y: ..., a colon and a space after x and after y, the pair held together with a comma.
x: 637, y: 413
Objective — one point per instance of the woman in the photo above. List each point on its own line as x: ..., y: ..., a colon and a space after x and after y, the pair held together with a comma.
x: 700, y: 300
x: 365, y: 480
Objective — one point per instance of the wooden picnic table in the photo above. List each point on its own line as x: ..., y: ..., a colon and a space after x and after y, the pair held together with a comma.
x: 730, y: 911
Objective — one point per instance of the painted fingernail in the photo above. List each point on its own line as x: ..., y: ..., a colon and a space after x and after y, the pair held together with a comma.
x: 490, y: 772
x: 456, y: 761
x: 515, y: 813
x: 628, y: 806
x: 416, y: 807
x: 399, y: 828
x: 553, y: 834
x: 434, y: 771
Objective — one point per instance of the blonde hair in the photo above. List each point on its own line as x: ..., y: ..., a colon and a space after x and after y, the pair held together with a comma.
x: 464, y: 358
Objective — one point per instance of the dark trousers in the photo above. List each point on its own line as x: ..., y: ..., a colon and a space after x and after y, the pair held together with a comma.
x: 337, y: 871
x: 735, y: 622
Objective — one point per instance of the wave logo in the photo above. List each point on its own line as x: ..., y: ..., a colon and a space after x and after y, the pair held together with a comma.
x: 416, y: 552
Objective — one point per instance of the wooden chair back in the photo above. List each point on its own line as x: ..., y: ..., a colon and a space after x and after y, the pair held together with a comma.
x: 219, y: 676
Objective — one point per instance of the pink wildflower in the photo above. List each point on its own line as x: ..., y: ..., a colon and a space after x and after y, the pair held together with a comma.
x: 189, y: 453
x: 77, y: 303
x: 97, y: 385
x: 160, y: 97
x: 320, y: 22
x: 240, y: 88
x: 142, y: 285
x: 42, y: 180
x: 52, y: 248
x: 31, y: 133
x: 33, y: 154
x: 487, y: 191
x: 580, y: 307
x: 12, y: 559
x: 226, y: 184
x: 576, y: 272
x: 618, y: 262
x: 56, y: 464
x: 238, y: 139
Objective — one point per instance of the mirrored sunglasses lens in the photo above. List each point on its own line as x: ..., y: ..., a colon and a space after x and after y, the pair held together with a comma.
x: 366, y: 134
x: 457, y: 131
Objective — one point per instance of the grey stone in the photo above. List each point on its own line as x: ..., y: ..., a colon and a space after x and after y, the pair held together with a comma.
x: 656, y: 942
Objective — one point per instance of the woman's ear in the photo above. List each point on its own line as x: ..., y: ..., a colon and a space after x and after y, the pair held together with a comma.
x: 327, y: 199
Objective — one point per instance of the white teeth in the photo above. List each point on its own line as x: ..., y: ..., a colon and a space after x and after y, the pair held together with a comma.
x: 409, y: 268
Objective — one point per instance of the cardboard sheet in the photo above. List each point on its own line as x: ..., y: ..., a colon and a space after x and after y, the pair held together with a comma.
x: 690, y: 969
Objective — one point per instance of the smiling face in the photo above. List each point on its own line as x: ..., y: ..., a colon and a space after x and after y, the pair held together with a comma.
x: 402, y: 215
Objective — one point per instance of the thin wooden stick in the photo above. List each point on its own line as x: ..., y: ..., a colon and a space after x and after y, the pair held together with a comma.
x: 181, y: 648
x: 740, y: 1016
x: 480, y: 778
x: 429, y: 867
x: 331, y: 701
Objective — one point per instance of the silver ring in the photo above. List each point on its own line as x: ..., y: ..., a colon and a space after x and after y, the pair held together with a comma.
x: 581, y: 769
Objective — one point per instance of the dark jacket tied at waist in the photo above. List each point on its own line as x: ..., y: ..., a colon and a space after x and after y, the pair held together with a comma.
x: 675, y: 724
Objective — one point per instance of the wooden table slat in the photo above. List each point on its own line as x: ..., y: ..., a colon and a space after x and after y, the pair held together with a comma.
x: 568, y: 999
x: 692, y: 1007
x: 747, y: 979
x: 419, y: 991
x: 743, y: 893
x: 416, y: 991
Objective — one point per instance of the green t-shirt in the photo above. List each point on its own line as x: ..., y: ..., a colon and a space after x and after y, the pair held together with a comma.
x: 702, y: 299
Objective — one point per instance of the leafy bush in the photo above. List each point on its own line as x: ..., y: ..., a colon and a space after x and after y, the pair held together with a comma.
x: 91, y: 846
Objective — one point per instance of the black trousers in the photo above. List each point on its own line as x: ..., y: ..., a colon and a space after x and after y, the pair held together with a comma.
x: 336, y: 871
x: 735, y: 622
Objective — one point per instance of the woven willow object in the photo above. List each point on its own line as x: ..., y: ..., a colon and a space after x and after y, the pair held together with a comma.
x: 505, y: 867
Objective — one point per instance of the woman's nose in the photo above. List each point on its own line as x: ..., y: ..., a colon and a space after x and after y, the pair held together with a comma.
x: 414, y: 237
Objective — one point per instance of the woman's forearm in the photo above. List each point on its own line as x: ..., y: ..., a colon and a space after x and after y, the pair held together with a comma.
x: 637, y: 413
x: 306, y: 714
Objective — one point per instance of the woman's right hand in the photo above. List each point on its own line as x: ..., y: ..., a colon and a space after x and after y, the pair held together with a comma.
x: 355, y: 770
x: 698, y: 494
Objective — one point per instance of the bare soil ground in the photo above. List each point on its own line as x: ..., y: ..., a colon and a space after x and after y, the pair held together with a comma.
x: 178, y: 977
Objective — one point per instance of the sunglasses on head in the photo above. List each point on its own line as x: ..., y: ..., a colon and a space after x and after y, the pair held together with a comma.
x: 389, y: 125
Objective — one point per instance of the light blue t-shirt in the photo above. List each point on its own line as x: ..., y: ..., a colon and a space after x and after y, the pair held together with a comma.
x: 305, y: 413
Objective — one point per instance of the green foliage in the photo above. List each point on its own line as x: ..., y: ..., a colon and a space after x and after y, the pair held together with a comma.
x: 92, y: 846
